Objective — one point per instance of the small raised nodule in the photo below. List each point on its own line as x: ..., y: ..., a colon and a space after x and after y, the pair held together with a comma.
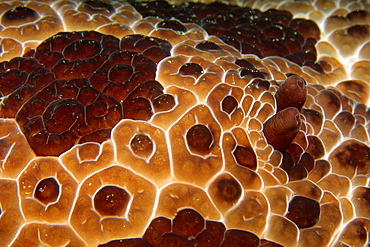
x: 199, y: 139
x: 19, y: 15
x: 303, y: 211
x: 193, y: 69
x: 246, y: 157
x: 111, y: 201
x: 229, y: 104
x: 47, y: 191
x: 141, y: 145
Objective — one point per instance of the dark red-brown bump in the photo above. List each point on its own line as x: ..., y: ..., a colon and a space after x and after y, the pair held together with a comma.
x: 10, y: 80
x: 298, y: 172
x: 207, y: 46
x: 287, y: 161
x: 212, y: 235
x: 173, y: 239
x: 358, y: 15
x: 61, y: 115
x: 141, y: 145
x: 268, y: 243
x: 156, y: 53
x: 156, y: 229
x: 193, y: 69
x: 99, y: 6
x: 98, y: 136
x: 188, y: 223
x: 229, y: 190
x: 164, y: 102
x: 229, y: 104
x: 240, y: 238
x: 295, y: 151
x: 19, y: 15
x: 137, y: 109
x: 111, y: 201
x: 232, y: 42
x: 82, y: 49
x: 305, y: 27
x: 129, y: 242
x: 353, y: 154
x: 291, y: 93
x: 251, y: 72
x: 307, y: 161
x: 303, y: 211
x: 245, y: 156
x: 120, y: 72
x: 358, y: 31
x: 281, y: 129
x: 172, y: 24
x: 199, y: 139
x: 47, y: 191
x: 315, y: 118
x: 244, y: 63
x: 315, y: 147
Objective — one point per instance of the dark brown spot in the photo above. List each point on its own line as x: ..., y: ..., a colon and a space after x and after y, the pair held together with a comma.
x: 164, y: 102
x: 229, y: 104
x: 199, y: 139
x: 315, y: 147
x: 188, y: 223
x: 141, y: 145
x: 98, y: 136
x: 19, y: 15
x: 305, y: 27
x: 307, y: 161
x: 61, y: 115
x: 246, y: 157
x: 252, y: 72
x: 287, y: 161
x: 232, y: 42
x: 240, y: 238
x: 191, y: 69
x: 228, y: 189
x: 156, y: 229
x: 173, y: 239
x: 295, y: 151
x: 82, y: 49
x: 315, y: 118
x: 212, y: 235
x: 329, y: 101
x: 207, y: 46
x: 47, y: 191
x: 137, y: 109
x: 298, y: 172
x: 315, y: 66
x: 172, y: 24
x: 120, y: 73
x: 351, y: 157
x: 303, y: 211
x: 111, y: 201
x: 358, y: 15
x: 361, y: 201
x: 99, y: 6
x: 244, y: 63
x: 130, y: 242
x: 358, y: 31
x: 268, y: 243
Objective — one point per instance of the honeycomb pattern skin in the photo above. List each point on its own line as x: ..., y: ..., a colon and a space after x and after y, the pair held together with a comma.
x: 133, y: 123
